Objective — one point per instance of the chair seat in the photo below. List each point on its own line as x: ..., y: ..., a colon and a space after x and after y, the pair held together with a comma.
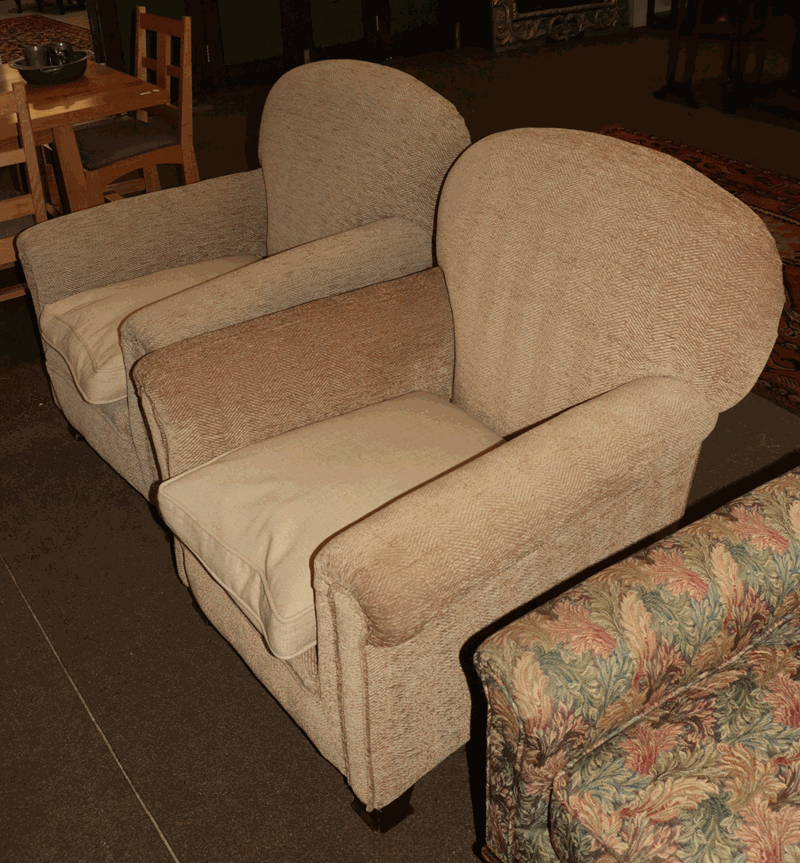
x: 84, y: 327
x: 255, y: 516
x: 119, y: 138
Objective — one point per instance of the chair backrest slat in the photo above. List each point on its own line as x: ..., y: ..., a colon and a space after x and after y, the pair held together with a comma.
x: 159, y: 24
x: 12, y: 157
x: 30, y: 203
x: 166, y: 29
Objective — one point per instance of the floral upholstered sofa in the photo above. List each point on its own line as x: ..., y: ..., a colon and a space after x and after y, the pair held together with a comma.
x: 652, y: 713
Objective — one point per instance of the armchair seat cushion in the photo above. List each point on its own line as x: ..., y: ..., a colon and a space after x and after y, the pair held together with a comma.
x: 84, y: 327
x: 255, y: 516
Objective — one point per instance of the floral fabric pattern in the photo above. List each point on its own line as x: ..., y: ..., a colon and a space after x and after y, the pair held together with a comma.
x: 652, y: 713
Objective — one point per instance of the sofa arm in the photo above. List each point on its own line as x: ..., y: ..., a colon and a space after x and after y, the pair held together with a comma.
x: 213, y: 393
x: 590, y: 481
x: 667, y: 623
x: 377, y: 252
x: 130, y: 238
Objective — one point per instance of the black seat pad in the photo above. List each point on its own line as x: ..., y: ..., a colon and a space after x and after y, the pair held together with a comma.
x: 119, y: 138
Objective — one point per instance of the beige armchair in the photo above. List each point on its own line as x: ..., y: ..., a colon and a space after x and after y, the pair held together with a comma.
x: 361, y: 483
x: 353, y: 157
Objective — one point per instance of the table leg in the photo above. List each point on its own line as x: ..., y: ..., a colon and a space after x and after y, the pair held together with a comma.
x: 71, y: 168
x: 685, y: 35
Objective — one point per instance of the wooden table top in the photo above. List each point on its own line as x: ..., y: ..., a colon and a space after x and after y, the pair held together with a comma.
x: 101, y: 92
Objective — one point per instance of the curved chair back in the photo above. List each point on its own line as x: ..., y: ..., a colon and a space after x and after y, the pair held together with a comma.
x: 576, y: 263
x: 344, y: 143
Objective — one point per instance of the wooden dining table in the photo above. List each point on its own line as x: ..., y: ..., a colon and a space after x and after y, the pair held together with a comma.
x: 55, y: 109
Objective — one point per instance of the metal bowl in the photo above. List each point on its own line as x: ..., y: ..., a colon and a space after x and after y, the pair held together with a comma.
x: 53, y: 74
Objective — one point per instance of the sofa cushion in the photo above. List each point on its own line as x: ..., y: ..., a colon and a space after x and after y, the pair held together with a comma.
x: 254, y: 517
x: 84, y: 327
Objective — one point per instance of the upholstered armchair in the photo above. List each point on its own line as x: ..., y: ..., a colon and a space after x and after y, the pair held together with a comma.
x: 361, y: 483
x: 353, y: 156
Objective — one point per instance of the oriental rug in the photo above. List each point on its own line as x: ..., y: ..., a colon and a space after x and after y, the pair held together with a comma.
x: 15, y: 33
x: 776, y: 198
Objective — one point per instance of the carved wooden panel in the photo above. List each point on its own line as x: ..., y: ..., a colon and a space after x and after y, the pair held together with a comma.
x: 515, y: 22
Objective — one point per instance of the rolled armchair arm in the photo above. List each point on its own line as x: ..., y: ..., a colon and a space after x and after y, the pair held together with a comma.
x: 546, y: 505
x: 668, y: 624
x: 352, y: 259
x: 222, y: 390
x: 130, y: 238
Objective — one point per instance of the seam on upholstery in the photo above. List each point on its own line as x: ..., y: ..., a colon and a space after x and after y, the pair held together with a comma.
x: 363, y: 703
x: 337, y: 656
x: 68, y: 381
x: 520, y: 751
x: 151, y: 421
x: 75, y: 382
x: 248, y: 562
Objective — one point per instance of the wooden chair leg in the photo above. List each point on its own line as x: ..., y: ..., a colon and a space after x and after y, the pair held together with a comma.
x: 94, y: 190
x: 151, y: 181
x: 189, y: 167
x: 48, y: 172
x: 382, y: 820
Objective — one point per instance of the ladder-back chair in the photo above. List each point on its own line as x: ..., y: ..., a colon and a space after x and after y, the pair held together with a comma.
x: 113, y: 148
x: 17, y: 207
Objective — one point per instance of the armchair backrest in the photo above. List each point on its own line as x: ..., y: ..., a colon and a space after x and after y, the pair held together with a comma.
x: 576, y: 263
x: 344, y: 143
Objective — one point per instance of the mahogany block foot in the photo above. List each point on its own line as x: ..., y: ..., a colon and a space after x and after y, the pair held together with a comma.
x: 382, y: 820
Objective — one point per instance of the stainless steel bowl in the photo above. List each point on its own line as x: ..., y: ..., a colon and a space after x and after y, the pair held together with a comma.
x: 53, y: 74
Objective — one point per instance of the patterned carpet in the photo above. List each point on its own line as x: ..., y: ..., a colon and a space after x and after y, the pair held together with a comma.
x: 776, y: 198
x: 36, y: 29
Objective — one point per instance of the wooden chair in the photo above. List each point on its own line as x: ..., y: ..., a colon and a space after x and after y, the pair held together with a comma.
x: 113, y: 148
x: 17, y: 207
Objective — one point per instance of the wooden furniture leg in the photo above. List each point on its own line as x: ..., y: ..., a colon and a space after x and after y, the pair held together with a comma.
x: 382, y: 820
x: 689, y: 12
x: 151, y: 181
x: 71, y: 168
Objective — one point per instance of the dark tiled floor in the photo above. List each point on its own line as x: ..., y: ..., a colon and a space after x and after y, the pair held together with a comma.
x: 216, y: 763
x: 65, y: 796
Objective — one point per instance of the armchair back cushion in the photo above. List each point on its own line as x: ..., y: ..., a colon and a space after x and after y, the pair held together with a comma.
x: 376, y: 144
x: 254, y: 517
x: 576, y: 263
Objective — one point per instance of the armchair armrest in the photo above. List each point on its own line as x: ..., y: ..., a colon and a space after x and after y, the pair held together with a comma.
x: 130, y: 238
x: 377, y: 252
x: 542, y: 507
x: 222, y: 390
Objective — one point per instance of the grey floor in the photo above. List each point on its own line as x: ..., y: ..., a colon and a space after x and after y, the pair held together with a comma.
x: 130, y: 730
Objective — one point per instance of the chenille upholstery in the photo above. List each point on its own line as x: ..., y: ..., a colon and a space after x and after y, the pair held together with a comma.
x: 353, y: 157
x: 596, y: 304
